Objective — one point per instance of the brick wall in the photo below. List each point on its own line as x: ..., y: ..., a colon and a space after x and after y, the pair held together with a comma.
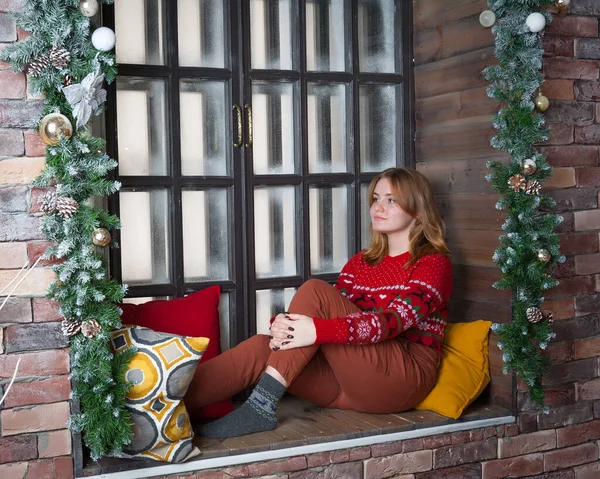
x: 561, y: 445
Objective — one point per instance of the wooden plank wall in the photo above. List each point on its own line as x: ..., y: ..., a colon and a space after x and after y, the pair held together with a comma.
x: 452, y: 145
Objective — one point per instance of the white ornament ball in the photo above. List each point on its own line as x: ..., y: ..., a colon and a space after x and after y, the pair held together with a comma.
x: 536, y: 22
x: 487, y: 18
x: 103, y: 39
x: 88, y: 8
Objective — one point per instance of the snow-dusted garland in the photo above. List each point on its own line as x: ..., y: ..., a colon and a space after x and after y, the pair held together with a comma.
x: 529, y: 246
x: 68, y: 67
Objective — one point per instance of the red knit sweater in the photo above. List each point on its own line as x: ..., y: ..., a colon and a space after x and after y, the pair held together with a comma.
x: 412, y: 301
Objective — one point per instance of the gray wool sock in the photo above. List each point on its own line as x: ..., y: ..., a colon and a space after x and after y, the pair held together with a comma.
x: 255, y: 415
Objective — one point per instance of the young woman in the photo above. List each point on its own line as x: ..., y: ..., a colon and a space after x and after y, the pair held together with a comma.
x: 372, y: 343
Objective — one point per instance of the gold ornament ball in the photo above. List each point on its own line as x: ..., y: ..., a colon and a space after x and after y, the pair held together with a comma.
x: 543, y: 256
x: 528, y: 167
x: 541, y: 102
x: 53, y: 126
x: 100, y: 237
x: 563, y: 3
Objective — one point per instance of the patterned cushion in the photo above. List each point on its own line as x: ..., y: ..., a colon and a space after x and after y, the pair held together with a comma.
x: 160, y: 372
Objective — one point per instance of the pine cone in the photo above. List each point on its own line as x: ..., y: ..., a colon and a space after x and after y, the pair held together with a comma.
x: 70, y: 327
x: 59, y: 57
x: 38, y: 65
x: 534, y: 315
x: 517, y: 183
x: 67, y: 79
x: 533, y: 187
x: 48, y: 202
x: 90, y: 328
x: 66, y: 207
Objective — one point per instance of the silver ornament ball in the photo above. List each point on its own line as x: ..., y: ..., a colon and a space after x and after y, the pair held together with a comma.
x: 88, y: 8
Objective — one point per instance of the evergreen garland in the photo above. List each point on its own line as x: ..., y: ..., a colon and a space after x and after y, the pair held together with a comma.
x: 529, y: 248
x: 77, y: 167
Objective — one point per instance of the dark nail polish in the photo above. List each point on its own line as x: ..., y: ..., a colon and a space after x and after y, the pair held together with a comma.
x: 286, y: 312
x: 285, y: 342
x: 290, y: 336
x: 291, y: 329
x: 275, y: 348
x: 270, y: 337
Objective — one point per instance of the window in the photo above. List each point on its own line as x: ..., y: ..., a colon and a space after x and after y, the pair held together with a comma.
x: 246, y: 135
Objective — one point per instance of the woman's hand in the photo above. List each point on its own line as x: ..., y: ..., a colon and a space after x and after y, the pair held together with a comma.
x: 290, y: 331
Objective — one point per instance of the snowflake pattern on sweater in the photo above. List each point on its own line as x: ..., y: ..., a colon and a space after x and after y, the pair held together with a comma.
x: 412, y: 301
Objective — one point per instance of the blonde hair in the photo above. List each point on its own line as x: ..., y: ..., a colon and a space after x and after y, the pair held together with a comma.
x: 415, y: 197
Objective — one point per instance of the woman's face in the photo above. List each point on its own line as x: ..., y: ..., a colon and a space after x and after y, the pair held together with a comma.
x: 386, y: 215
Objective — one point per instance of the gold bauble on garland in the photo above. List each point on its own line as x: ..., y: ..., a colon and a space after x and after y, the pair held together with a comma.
x: 543, y: 256
x: 53, y: 126
x: 528, y: 167
x: 101, y: 237
x: 541, y: 102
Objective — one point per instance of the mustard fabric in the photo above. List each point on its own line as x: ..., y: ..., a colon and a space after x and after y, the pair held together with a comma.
x: 465, y: 370
x: 160, y: 373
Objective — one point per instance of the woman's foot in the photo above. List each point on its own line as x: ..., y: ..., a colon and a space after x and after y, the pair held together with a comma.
x: 257, y: 414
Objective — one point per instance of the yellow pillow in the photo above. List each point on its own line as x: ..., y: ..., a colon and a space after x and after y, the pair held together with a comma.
x: 464, y: 372
x: 160, y: 372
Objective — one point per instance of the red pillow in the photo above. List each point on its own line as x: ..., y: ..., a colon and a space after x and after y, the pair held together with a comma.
x: 196, y: 314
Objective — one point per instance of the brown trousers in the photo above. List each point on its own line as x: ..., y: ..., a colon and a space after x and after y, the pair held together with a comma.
x: 390, y: 376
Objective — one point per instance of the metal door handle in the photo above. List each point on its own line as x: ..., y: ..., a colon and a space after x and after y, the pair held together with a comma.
x: 250, y: 134
x: 239, y: 141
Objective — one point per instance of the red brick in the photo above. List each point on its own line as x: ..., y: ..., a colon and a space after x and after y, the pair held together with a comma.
x: 273, y: 467
x: 43, y: 469
x: 12, y: 85
x: 571, y: 155
x: 577, y: 328
x: 466, y: 471
x: 561, y: 178
x: 461, y: 437
x: 348, y: 455
x: 527, y: 422
x: 573, y: 26
x: 36, y: 195
x: 569, y: 436
x: 38, y: 392
x: 559, y: 90
x: 569, y: 68
x: 588, y: 177
x: 553, y: 397
x: 579, y: 243
x: 560, y: 134
x: 320, y: 459
x: 526, y: 444
x: 63, y: 468
x: 476, y: 435
x: 16, y: 470
x: 587, y: 134
x: 570, y: 456
x: 587, y: 264
x: 35, y: 249
x: 513, y: 467
x: 386, y: 449
x: 561, y: 416
x: 588, y: 471
x: 34, y: 145
x: 558, y: 46
x: 588, y: 390
x: 457, y: 454
x: 345, y: 470
x: 18, y: 448
x: 16, y: 310
x: 573, y: 286
x: 412, y: 445
x: 560, y: 308
x: 45, y: 310
x: 434, y: 442
x: 511, y: 430
x: 54, y: 443
x: 391, y: 466
x: 587, y: 348
x: 43, y: 363
x: 489, y: 432
x: 236, y: 472
x: 46, y: 417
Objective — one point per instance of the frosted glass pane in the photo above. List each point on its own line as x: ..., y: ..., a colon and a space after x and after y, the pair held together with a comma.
x: 206, y: 234
x: 365, y: 217
x: 203, y: 35
x: 226, y: 307
x: 205, y: 128
x: 145, y: 236
x: 141, y: 126
x: 275, y: 231
x: 327, y: 34
x: 380, y: 116
x: 329, y: 228
x: 275, y: 109
x: 379, y: 37
x: 270, y: 302
x: 271, y: 33
x: 140, y: 31
x: 328, y: 131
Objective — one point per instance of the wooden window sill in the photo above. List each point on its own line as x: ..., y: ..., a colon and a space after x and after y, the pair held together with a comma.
x: 305, y: 429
